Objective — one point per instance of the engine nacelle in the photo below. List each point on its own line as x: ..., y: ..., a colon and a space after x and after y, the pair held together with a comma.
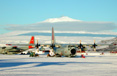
x: 66, y: 51
x: 73, y: 51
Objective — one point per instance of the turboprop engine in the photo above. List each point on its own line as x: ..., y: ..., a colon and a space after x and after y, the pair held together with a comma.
x: 68, y: 51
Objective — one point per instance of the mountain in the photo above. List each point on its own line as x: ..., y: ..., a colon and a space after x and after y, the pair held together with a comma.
x: 61, y: 19
x: 110, y: 41
x: 67, y: 24
x: 67, y: 30
x: 112, y: 47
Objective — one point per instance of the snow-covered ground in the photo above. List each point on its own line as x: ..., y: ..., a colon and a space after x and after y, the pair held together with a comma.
x: 92, y: 65
x: 47, y: 39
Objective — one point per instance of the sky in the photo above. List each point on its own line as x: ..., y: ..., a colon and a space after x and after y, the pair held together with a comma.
x: 24, y: 12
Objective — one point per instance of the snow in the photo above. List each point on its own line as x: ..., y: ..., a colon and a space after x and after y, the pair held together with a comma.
x: 47, y: 39
x: 61, y: 19
x: 92, y: 65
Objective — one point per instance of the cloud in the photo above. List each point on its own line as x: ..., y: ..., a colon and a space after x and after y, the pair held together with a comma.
x: 61, y: 24
x: 68, y: 26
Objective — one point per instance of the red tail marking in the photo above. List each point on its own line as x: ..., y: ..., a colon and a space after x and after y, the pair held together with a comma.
x: 30, y: 47
x: 52, y: 35
x: 31, y: 42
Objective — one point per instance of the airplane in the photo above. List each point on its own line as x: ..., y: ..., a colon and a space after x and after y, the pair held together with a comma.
x: 16, y: 48
x: 62, y: 50
x: 53, y: 49
x: 38, y: 49
x: 70, y: 50
x: 67, y: 50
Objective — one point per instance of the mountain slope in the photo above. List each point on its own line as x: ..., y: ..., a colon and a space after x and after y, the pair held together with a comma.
x: 112, y: 47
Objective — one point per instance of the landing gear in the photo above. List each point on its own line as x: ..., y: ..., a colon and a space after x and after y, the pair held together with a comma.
x: 58, y: 55
x: 32, y: 54
x: 48, y: 55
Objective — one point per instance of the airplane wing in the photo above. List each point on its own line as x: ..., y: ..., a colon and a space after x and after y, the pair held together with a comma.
x: 32, y: 42
x: 20, y: 44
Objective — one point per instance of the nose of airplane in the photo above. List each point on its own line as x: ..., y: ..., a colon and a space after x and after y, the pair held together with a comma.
x: 73, y: 51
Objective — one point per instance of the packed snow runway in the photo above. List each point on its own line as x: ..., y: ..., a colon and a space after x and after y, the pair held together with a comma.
x: 92, y: 65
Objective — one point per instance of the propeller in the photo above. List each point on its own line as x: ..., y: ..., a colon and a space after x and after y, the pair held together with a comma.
x: 94, y: 46
x: 37, y: 45
x: 80, y: 46
x: 52, y: 46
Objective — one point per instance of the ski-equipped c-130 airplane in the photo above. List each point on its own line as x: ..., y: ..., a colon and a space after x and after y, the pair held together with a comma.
x: 62, y: 50
x: 17, y: 48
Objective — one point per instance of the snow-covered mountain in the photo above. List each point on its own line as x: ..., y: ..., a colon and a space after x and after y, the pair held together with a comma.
x: 66, y: 24
x: 61, y: 19
x: 111, y: 47
x: 110, y: 41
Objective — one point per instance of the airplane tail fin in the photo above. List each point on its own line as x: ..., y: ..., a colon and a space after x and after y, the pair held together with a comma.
x: 53, y: 38
x: 32, y: 42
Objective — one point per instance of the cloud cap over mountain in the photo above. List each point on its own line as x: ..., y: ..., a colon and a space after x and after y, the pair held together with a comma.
x: 66, y: 24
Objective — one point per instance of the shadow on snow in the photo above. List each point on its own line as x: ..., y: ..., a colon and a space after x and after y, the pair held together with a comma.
x: 40, y: 64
